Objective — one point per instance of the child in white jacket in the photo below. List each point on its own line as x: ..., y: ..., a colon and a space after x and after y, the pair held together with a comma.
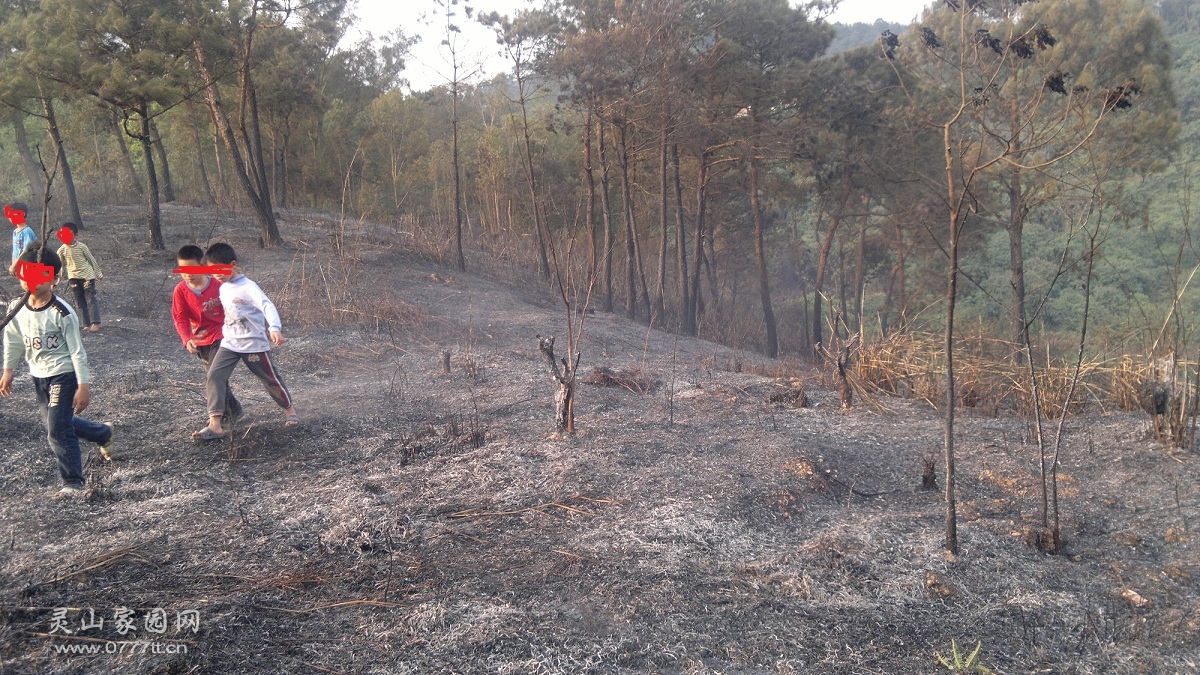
x: 252, y: 325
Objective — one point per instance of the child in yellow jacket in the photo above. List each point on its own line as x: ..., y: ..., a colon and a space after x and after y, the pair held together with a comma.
x: 81, y: 270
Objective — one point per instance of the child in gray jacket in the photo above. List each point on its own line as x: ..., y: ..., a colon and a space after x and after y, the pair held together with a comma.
x: 45, y: 330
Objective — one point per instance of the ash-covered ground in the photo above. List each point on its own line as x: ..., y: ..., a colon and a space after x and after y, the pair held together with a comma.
x: 420, y: 521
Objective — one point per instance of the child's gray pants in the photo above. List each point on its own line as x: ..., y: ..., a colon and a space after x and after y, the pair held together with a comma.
x: 260, y: 363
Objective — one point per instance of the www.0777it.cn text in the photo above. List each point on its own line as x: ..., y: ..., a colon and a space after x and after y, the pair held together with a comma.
x: 132, y: 647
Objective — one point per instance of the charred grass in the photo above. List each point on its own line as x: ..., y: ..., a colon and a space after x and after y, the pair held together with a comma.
x: 421, y: 520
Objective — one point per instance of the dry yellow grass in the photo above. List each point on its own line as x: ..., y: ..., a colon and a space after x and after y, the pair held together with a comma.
x: 992, y: 374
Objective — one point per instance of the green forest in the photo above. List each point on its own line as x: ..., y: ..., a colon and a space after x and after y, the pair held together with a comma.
x: 740, y: 170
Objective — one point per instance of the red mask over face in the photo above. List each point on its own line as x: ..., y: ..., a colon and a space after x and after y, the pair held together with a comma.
x: 203, y: 269
x: 65, y: 235
x: 16, y: 217
x: 34, y: 274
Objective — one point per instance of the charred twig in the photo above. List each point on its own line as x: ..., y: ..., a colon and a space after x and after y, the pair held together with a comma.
x: 347, y: 603
x: 598, y: 501
x: 238, y: 503
x: 851, y: 490
x: 94, y: 564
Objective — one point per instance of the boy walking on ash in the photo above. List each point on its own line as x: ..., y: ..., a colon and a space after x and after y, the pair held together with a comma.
x: 252, y: 325
x: 23, y: 235
x: 196, y: 309
x: 46, y: 331
x: 81, y: 271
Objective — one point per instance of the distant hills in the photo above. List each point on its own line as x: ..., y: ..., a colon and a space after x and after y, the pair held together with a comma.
x: 849, y: 36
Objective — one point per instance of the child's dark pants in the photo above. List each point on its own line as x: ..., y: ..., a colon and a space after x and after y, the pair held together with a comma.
x: 56, y: 402
x: 85, y: 301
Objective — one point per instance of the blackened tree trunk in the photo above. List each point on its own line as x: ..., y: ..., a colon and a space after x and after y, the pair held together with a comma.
x: 459, y: 260
x: 28, y: 163
x: 896, y: 295
x: 685, y: 302
x: 606, y: 216
x: 860, y: 270
x: 64, y: 165
x: 281, y: 193
x: 163, y: 165
x: 590, y: 215
x: 194, y: 125
x: 254, y: 186
x: 117, y: 123
x: 641, y: 269
x: 818, y: 286
x: 222, y: 182
x: 630, y: 229
x: 563, y: 373
x: 844, y: 311
x: 152, y: 207
x: 1016, y: 227
x: 538, y: 225
x: 764, y: 288
x: 955, y: 201
x: 691, y: 319
x: 633, y: 249
x: 660, y: 286
x: 252, y: 137
x: 710, y: 267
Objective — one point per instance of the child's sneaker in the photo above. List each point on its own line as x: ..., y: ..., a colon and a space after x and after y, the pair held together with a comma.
x: 66, y: 492
x: 106, y: 450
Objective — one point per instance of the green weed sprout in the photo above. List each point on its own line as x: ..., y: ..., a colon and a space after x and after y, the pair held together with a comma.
x: 961, y: 666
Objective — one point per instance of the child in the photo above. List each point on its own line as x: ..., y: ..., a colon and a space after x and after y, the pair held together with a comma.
x: 252, y: 325
x: 48, y: 331
x: 23, y: 235
x: 81, y: 270
x: 196, y: 308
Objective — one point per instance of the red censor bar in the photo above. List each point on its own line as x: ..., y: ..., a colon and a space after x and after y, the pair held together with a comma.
x: 15, y: 216
x: 203, y: 269
x: 35, y: 274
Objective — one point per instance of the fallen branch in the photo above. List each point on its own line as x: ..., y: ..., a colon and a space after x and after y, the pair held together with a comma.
x: 95, y: 564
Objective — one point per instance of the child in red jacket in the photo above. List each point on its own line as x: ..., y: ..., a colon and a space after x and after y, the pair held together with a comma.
x: 196, y: 308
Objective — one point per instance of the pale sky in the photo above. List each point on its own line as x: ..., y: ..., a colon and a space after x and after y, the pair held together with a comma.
x: 429, y: 63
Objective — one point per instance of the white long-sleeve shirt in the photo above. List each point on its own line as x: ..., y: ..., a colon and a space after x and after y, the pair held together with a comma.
x: 249, y: 316
x: 48, y: 337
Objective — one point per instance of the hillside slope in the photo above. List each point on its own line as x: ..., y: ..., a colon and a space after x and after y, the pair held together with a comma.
x: 420, y: 521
